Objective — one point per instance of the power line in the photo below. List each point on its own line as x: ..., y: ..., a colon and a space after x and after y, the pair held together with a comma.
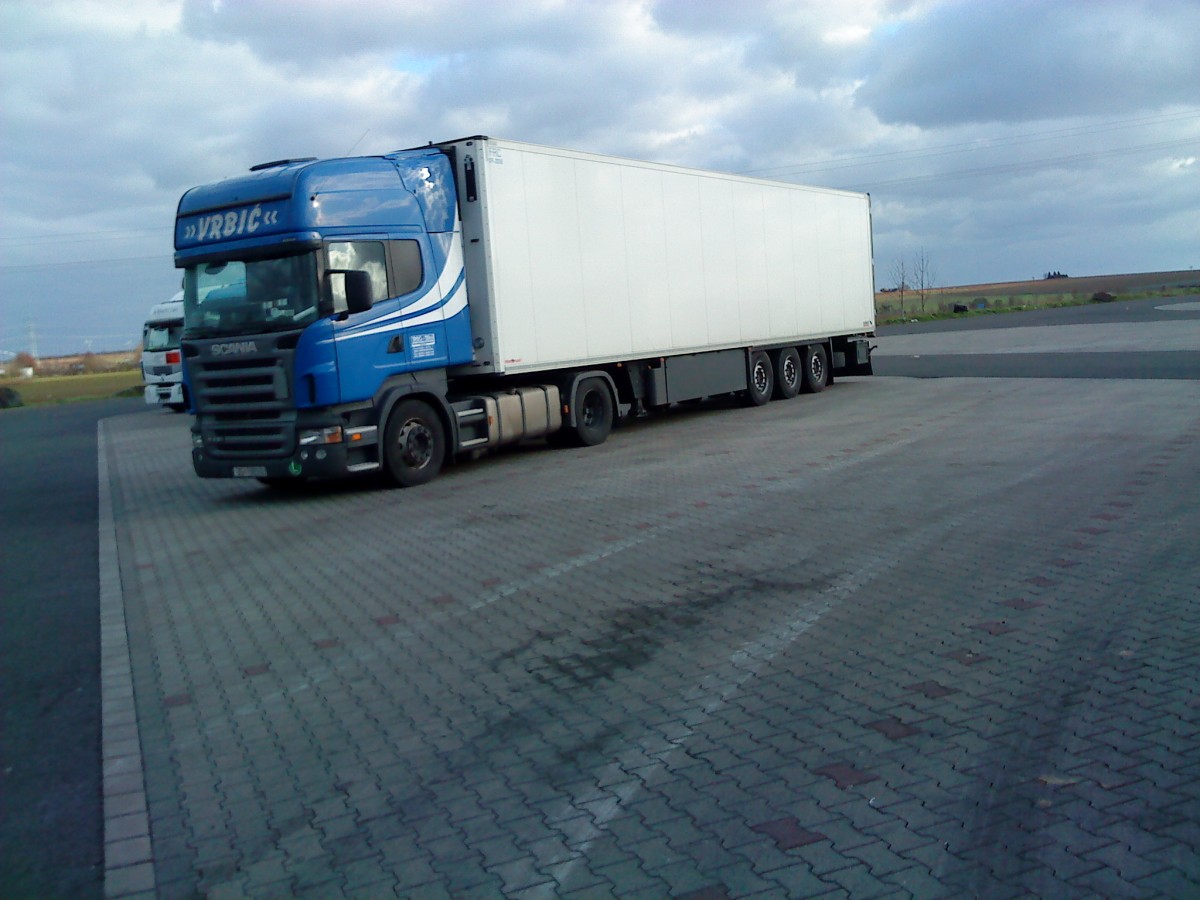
x: 792, y: 169
x: 844, y: 162
x: 1032, y: 164
x: 81, y: 337
x: 85, y: 262
x: 76, y: 236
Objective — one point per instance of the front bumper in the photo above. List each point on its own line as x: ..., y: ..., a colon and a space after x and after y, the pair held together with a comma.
x: 307, y: 462
x: 354, y: 451
x: 169, y: 394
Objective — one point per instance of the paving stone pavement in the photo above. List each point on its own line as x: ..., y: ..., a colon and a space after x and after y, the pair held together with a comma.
x: 902, y: 638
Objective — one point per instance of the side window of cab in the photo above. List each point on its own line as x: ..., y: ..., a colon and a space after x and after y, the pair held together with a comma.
x: 371, y: 256
x: 366, y: 256
x: 406, y: 266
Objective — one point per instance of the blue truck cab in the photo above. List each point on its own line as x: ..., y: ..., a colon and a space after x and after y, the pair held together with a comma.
x: 317, y: 295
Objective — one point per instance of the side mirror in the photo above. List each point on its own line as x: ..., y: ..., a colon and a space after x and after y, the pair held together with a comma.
x: 355, y: 290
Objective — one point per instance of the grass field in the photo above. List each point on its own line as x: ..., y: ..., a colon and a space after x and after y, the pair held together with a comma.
x: 67, y: 388
x: 1015, y: 296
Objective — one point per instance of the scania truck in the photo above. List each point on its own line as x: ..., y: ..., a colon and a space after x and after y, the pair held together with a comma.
x: 394, y: 313
x: 162, y: 365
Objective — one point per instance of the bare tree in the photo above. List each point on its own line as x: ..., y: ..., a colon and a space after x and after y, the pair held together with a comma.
x: 924, y: 275
x: 900, y: 279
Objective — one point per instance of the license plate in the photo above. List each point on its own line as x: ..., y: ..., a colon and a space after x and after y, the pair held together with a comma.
x: 249, y: 471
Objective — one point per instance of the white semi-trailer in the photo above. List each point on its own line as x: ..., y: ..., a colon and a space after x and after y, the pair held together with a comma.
x: 391, y: 312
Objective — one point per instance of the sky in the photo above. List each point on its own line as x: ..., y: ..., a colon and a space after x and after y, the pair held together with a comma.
x: 1002, y: 139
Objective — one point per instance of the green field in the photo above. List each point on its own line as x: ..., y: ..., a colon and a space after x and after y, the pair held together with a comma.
x: 1022, y: 295
x: 68, y: 388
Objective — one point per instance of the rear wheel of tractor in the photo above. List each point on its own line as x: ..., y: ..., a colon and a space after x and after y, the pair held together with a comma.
x: 787, y: 374
x: 816, y: 368
x: 594, y: 413
x: 762, y: 379
x: 414, y: 443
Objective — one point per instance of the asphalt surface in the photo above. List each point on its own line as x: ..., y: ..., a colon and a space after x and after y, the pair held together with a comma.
x: 1142, y: 339
x: 923, y: 637
x: 672, y: 665
x: 51, y: 830
x: 1151, y: 309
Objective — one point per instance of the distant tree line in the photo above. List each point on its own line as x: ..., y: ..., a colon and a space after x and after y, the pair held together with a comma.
x: 77, y: 364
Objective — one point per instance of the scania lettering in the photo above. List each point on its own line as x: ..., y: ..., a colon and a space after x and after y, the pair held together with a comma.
x: 235, y: 347
x: 394, y: 313
x: 162, y: 369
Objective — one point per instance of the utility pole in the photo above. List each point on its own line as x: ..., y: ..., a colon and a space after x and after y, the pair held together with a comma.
x: 33, y: 341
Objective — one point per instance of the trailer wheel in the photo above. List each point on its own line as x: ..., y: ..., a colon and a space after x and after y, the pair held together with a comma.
x: 594, y: 412
x: 414, y: 443
x: 762, y: 379
x: 787, y: 374
x: 816, y: 368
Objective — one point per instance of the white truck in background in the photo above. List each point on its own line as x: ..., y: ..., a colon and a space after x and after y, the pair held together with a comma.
x: 162, y: 365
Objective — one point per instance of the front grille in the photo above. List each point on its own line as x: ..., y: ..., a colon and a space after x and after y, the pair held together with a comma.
x: 225, y: 439
x: 241, y: 385
x: 243, y: 404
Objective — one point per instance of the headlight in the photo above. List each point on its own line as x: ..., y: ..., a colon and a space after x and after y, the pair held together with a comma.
x: 330, y: 435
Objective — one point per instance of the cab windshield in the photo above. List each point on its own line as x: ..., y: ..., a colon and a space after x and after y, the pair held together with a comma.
x: 161, y: 336
x: 233, y: 297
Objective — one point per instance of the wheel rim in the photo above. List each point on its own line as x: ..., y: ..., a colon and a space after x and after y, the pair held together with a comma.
x: 816, y: 368
x: 593, y: 409
x: 761, y: 378
x: 791, y: 374
x: 416, y: 444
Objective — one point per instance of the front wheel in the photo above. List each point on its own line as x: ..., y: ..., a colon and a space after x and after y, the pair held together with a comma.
x: 414, y: 443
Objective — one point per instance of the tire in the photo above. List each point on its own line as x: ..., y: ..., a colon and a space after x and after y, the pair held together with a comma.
x: 816, y: 368
x: 788, y: 377
x: 761, y: 379
x: 414, y: 443
x: 594, y: 413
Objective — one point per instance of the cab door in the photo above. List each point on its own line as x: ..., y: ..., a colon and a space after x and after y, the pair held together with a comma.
x: 403, y: 331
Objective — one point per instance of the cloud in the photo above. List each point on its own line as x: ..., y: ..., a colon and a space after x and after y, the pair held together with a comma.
x: 315, y: 34
x: 1027, y: 60
x: 984, y: 130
